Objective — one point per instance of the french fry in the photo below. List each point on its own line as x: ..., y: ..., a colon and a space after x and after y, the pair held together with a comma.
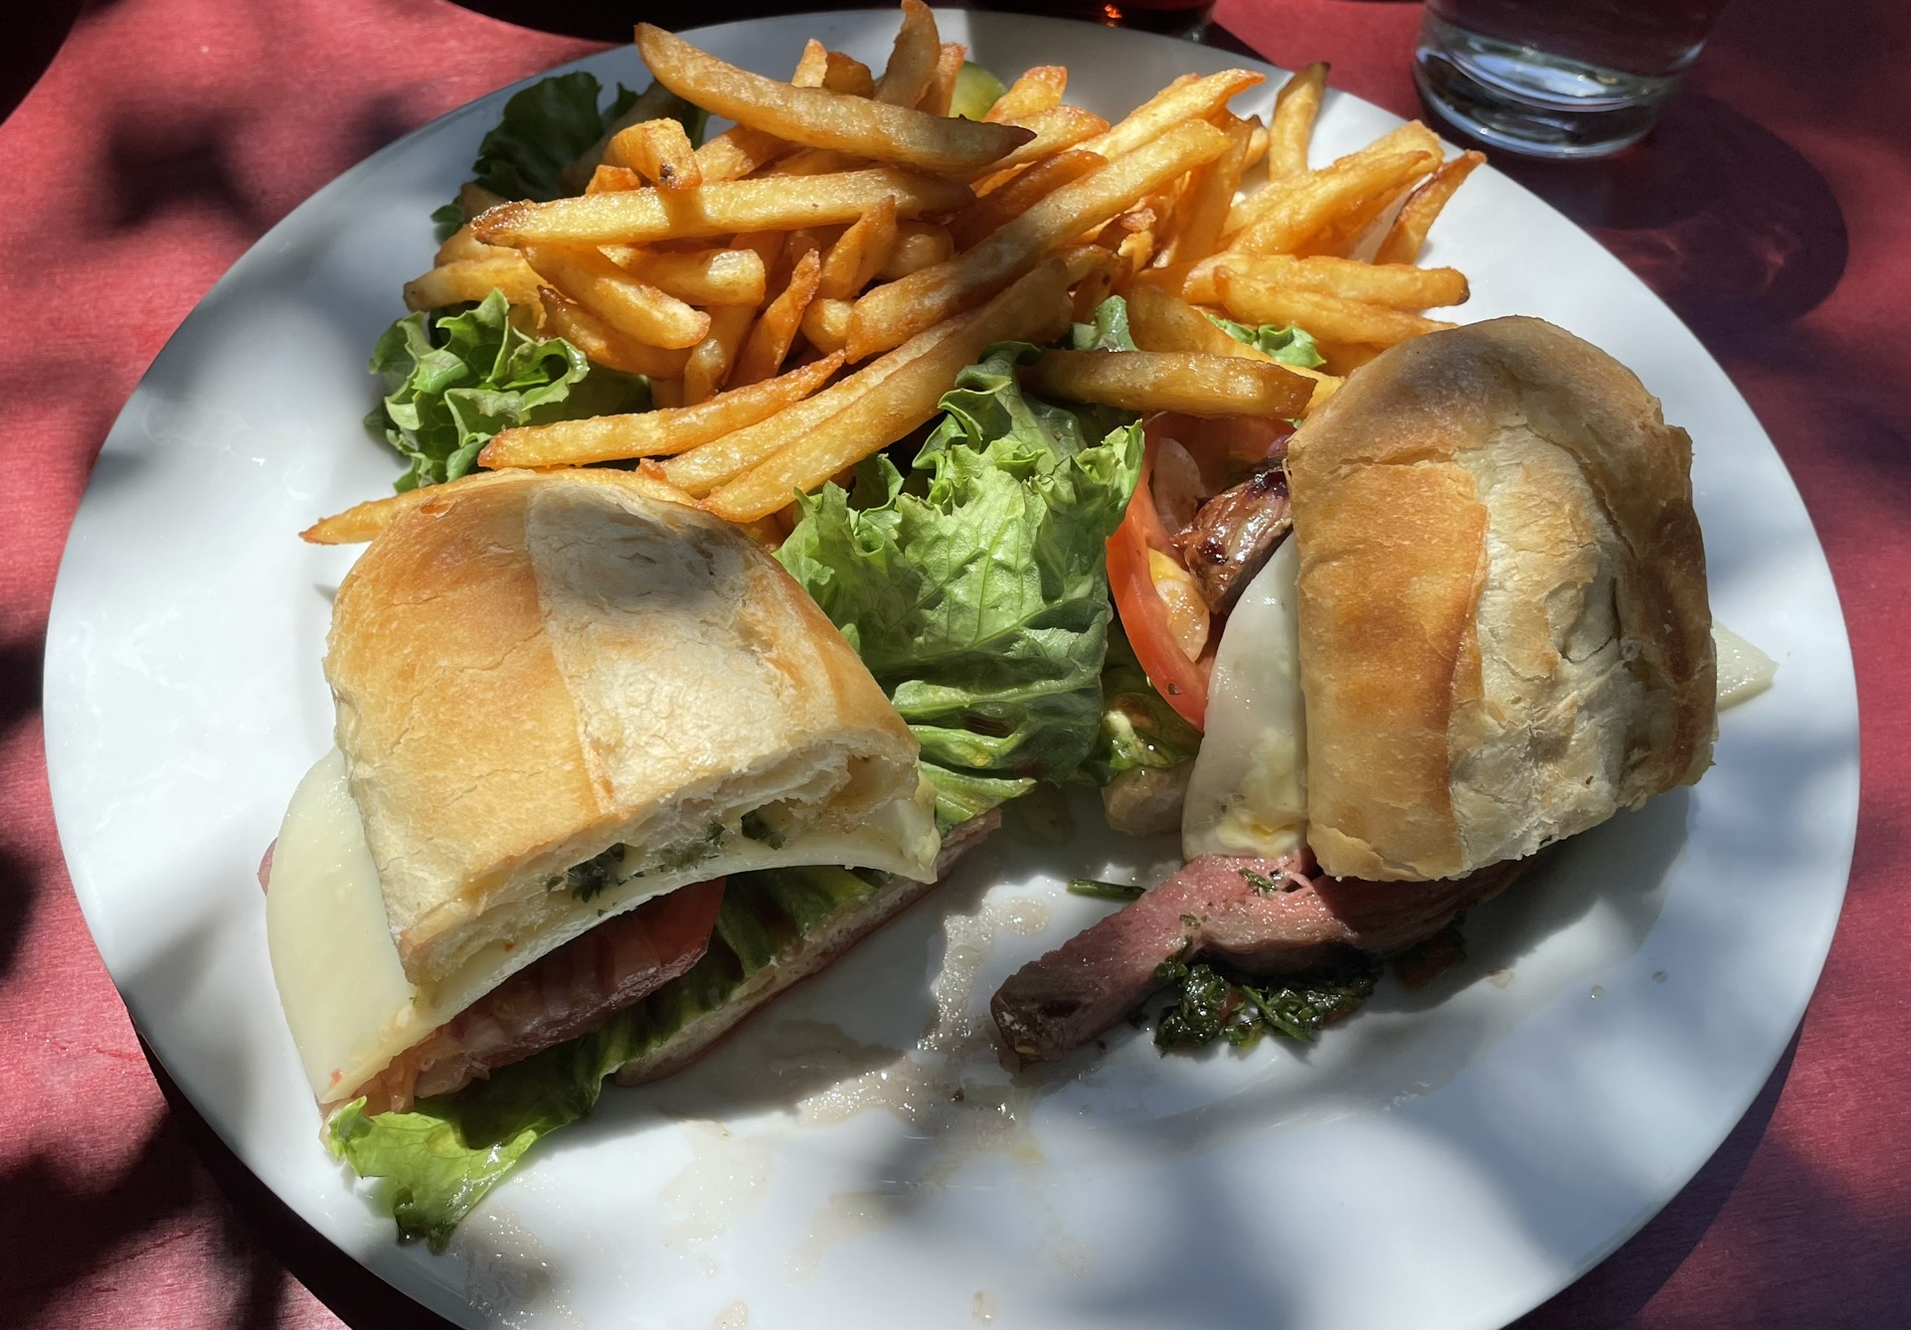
x: 474, y: 198
x: 1294, y: 210
x: 701, y: 277
x: 1346, y: 234
x: 1333, y: 318
x: 812, y: 67
x: 473, y: 279
x: 634, y: 308
x: 818, y: 118
x: 1396, y: 285
x: 858, y: 255
x: 774, y: 203
x: 1056, y: 130
x: 1015, y: 197
x: 889, y: 315
x: 912, y: 60
x: 657, y: 433
x: 1203, y: 209
x: 1185, y: 381
x: 1092, y: 270
x: 607, y: 179
x: 1038, y: 89
x: 658, y: 150
x: 1257, y: 142
x: 826, y: 324
x: 1296, y: 108
x: 770, y: 339
x: 1409, y: 230
x: 709, y: 362
x: 666, y: 394
x: 918, y: 245
x: 1195, y: 99
x: 1346, y: 357
x: 366, y: 521
x: 1159, y: 322
x: 941, y: 89
x: 849, y: 76
x: 737, y: 152
x: 1034, y: 308
x: 1347, y: 178
x: 603, y: 344
x: 464, y: 245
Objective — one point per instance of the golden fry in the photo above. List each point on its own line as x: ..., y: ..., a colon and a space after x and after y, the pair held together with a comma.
x: 1032, y: 309
x: 918, y: 245
x: 701, y: 277
x: 710, y: 360
x: 848, y: 76
x: 463, y: 245
x: 658, y: 150
x: 1296, y: 108
x: 737, y: 152
x: 634, y: 308
x: 1159, y: 322
x: 1055, y: 130
x: 817, y: 118
x: 1301, y: 207
x: 775, y: 203
x: 770, y: 339
x: 1203, y: 208
x: 812, y: 67
x: 1329, y: 317
x: 607, y: 179
x: 473, y: 279
x: 658, y: 433
x: 1195, y: 99
x: 1347, y: 178
x: 1018, y: 195
x: 941, y: 90
x: 889, y: 315
x: 1037, y: 90
x: 826, y: 324
x: 366, y: 521
x: 1185, y: 381
x: 1396, y: 285
x: 1409, y: 230
x: 666, y: 394
x: 604, y: 345
x: 858, y: 254
x: 1257, y: 142
x: 912, y: 61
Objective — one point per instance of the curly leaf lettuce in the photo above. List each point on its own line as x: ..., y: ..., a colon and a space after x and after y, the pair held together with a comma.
x: 1289, y: 345
x: 452, y: 381
x: 976, y: 591
x: 1138, y: 727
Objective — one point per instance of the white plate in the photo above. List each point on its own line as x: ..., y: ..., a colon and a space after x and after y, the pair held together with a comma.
x: 1444, y: 1160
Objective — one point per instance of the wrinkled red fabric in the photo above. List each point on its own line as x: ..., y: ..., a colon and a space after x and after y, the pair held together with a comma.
x: 168, y: 134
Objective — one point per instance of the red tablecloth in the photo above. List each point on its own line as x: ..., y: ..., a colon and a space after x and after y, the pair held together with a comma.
x: 1770, y: 211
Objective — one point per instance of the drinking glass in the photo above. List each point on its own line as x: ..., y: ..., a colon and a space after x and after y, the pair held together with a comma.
x: 1557, y: 78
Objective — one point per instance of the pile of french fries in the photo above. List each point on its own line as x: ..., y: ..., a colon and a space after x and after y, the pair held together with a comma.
x: 803, y: 288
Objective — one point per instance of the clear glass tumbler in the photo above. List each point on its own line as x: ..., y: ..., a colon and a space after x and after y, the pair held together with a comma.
x: 1558, y: 78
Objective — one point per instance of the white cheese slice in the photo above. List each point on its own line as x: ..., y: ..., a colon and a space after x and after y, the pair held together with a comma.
x: 1248, y: 791
x: 346, y: 998
x: 1744, y: 670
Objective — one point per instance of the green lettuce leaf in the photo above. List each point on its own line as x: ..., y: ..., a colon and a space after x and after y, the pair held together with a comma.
x: 453, y: 380
x: 976, y: 591
x: 1138, y: 727
x: 1290, y: 345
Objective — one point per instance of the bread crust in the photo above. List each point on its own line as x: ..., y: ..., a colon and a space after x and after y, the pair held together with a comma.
x: 530, y: 671
x: 1505, y: 635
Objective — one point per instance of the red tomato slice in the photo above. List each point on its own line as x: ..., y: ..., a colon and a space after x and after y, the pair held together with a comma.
x: 1183, y: 682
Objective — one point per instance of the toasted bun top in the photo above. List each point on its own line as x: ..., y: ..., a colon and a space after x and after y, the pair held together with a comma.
x: 1504, y: 631
x: 532, y: 670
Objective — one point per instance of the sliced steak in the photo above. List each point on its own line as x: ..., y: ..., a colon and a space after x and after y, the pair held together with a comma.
x: 1267, y: 916
x: 1234, y: 534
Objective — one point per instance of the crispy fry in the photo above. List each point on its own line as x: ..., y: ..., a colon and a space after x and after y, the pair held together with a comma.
x: 891, y: 314
x: 812, y: 66
x: 474, y: 198
x: 848, y: 76
x: 826, y: 324
x: 666, y: 394
x: 463, y: 245
x: 658, y: 433
x: 473, y: 279
x: 1032, y: 309
x: 858, y: 255
x: 1397, y: 285
x: 774, y: 203
x: 1257, y: 142
x: 817, y: 118
x: 737, y: 152
x: 1195, y: 99
x: 1409, y: 230
x: 1056, y: 130
x: 608, y: 179
x: 634, y: 308
x: 1185, y: 381
x: 918, y: 245
x: 1344, y: 236
x: 1298, y: 208
x: 912, y: 61
x: 1037, y: 90
x: 941, y: 89
x: 1203, y: 208
x: 366, y: 521
x: 1159, y: 322
x: 1092, y: 270
x: 1296, y: 108
x: 701, y: 277
x: 1015, y: 197
x: 770, y: 339
x: 1347, y: 179
x: 1346, y: 357
x: 658, y: 150
x: 603, y: 344
x: 1334, y: 318
x: 710, y: 360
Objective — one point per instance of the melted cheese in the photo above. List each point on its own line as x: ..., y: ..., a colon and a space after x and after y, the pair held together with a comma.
x: 1248, y: 791
x: 346, y: 998
x: 1744, y: 670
